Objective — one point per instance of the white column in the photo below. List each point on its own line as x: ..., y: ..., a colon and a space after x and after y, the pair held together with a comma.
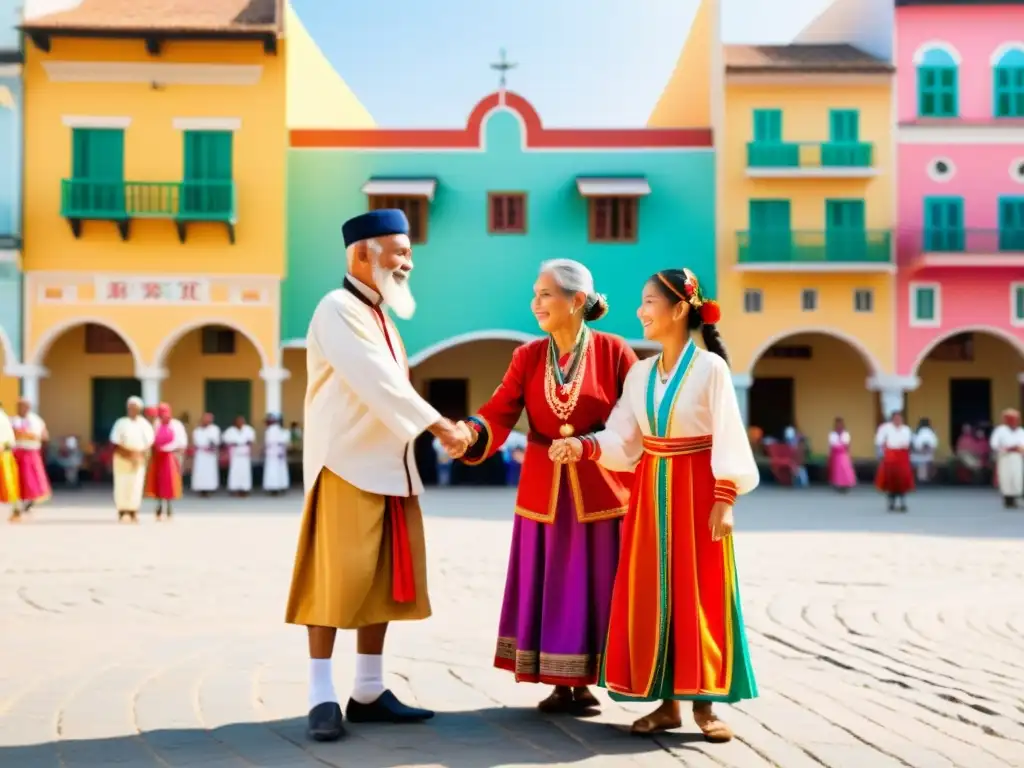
x: 893, y: 390
x: 741, y: 383
x: 273, y: 382
x: 30, y: 376
x: 151, y: 379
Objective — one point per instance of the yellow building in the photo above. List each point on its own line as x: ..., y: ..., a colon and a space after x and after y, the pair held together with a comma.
x: 154, y: 213
x: 804, y: 147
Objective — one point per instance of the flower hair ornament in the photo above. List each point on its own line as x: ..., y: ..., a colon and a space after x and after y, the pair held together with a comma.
x: 709, y: 309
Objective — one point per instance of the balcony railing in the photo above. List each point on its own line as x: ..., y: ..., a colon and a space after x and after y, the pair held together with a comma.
x: 123, y: 201
x: 810, y: 154
x: 952, y: 241
x: 814, y: 247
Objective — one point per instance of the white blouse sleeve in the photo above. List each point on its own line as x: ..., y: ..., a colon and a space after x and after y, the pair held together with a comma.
x: 621, y: 442
x: 732, y: 460
x: 881, y: 435
x: 834, y: 439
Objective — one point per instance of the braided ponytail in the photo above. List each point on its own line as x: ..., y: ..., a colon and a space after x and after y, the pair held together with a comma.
x: 713, y: 341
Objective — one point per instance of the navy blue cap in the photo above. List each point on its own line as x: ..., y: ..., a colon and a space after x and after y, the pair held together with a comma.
x: 366, y: 226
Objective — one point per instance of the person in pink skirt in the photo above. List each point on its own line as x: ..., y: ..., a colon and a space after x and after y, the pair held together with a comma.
x: 840, y: 466
x: 29, y: 437
x: 163, y: 478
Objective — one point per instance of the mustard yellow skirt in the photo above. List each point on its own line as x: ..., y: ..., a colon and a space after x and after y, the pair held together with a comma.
x: 343, y: 567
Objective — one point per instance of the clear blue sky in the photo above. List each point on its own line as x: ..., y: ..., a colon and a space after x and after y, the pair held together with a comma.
x: 424, y: 63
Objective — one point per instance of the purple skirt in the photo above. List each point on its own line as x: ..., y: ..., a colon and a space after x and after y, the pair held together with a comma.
x: 554, y: 618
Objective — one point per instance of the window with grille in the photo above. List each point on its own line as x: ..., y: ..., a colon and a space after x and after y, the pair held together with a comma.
x: 938, y: 81
x: 218, y: 341
x: 506, y: 213
x: 1009, y: 84
x: 809, y: 299
x: 955, y: 349
x: 414, y: 208
x: 613, y: 219
x: 752, y: 300
x: 100, y: 340
x: 863, y: 300
x: 925, y: 307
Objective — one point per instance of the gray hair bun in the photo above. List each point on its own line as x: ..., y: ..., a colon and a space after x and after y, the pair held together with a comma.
x: 595, y: 308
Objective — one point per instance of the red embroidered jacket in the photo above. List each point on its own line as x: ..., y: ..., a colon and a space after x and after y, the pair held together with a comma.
x: 597, y: 493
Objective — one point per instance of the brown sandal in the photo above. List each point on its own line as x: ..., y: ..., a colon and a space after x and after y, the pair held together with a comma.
x: 559, y: 702
x: 715, y: 731
x: 656, y: 722
x: 583, y: 700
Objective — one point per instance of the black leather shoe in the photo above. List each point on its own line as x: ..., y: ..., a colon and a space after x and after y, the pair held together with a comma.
x: 325, y: 722
x: 386, y: 709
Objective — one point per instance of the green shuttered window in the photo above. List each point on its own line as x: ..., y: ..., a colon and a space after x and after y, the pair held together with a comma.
x: 207, y: 187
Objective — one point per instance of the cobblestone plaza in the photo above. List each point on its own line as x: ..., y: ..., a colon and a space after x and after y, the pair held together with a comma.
x: 878, y: 640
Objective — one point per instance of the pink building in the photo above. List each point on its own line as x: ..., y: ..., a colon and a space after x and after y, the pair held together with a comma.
x: 960, y: 242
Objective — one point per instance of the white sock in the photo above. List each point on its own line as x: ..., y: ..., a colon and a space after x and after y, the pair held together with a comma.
x: 321, y: 682
x: 369, y: 678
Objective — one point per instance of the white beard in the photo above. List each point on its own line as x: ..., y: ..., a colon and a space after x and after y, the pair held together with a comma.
x: 395, y: 291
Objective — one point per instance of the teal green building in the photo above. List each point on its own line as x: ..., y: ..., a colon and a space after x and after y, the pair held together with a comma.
x: 489, y: 203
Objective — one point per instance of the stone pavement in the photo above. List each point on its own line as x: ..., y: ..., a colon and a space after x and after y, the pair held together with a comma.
x: 879, y: 640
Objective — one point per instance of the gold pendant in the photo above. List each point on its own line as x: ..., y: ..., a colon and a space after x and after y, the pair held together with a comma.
x: 566, y: 430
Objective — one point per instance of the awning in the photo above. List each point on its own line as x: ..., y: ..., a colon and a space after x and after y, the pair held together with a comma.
x: 401, y: 188
x: 629, y: 187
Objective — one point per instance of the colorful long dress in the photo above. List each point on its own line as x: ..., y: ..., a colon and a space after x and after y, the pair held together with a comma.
x: 163, y: 478
x: 10, y: 493
x: 29, y: 436
x: 676, y: 629
x: 895, y: 476
x: 565, y: 538
x: 840, y: 464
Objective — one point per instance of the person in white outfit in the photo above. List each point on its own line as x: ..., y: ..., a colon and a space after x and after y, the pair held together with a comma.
x: 132, y: 438
x: 1007, y: 443
x: 206, y: 461
x: 239, y: 440
x: 923, y: 447
x: 276, y: 442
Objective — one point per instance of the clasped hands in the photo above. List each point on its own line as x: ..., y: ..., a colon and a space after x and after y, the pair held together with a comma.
x: 568, y: 450
x: 456, y: 438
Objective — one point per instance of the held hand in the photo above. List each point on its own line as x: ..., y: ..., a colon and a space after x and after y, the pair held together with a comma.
x: 720, y: 521
x: 566, y: 451
x: 465, y: 436
x: 472, y: 434
x: 453, y: 439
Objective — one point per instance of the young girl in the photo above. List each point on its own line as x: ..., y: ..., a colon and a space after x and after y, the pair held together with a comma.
x: 841, y: 475
x: 676, y: 630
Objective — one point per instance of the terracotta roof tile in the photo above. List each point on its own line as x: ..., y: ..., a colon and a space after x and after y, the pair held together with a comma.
x: 838, y: 58
x: 166, y: 15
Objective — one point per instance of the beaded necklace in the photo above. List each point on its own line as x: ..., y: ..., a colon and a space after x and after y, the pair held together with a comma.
x: 568, y: 384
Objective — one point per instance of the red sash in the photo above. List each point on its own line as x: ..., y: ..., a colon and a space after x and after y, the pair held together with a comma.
x: 403, y: 582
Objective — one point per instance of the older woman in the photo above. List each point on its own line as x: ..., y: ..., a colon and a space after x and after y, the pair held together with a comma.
x: 565, y: 539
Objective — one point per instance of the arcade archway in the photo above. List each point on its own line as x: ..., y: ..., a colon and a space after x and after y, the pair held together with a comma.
x: 967, y: 377
x: 91, y: 373
x: 807, y: 380
x: 215, y: 369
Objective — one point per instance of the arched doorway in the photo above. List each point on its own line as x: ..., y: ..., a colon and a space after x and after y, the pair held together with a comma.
x: 807, y: 380
x: 457, y: 378
x: 967, y: 376
x: 215, y: 369
x: 91, y: 374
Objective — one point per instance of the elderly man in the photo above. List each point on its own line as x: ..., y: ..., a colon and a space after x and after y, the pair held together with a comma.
x: 276, y: 442
x: 1008, y: 447
x: 239, y: 438
x: 361, y: 559
x: 132, y: 438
